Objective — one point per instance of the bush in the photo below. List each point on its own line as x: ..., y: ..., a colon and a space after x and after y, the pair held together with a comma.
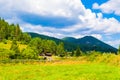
x: 28, y: 53
x: 5, y: 54
x: 93, y: 55
x: 5, y: 41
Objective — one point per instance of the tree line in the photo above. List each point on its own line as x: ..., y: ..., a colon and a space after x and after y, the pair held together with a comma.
x: 12, y: 31
x: 36, y: 47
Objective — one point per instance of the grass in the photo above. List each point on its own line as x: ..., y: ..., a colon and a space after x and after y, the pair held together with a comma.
x: 59, y: 71
x: 8, y: 45
x: 92, y: 67
x: 5, y: 46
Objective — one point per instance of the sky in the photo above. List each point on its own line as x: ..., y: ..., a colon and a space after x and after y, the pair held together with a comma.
x: 66, y: 18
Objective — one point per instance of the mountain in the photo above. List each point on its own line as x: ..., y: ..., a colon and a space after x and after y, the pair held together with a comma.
x: 68, y: 46
x: 33, y: 35
x: 87, y: 43
x: 69, y: 39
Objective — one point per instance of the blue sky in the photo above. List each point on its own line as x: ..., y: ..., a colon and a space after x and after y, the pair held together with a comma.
x: 66, y: 18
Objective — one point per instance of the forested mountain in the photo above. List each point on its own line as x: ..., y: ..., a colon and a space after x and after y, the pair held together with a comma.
x: 68, y: 45
x: 69, y: 39
x: 87, y: 43
x: 33, y: 35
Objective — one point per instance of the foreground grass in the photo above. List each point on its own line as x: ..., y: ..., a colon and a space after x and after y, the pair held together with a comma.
x: 59, y: 71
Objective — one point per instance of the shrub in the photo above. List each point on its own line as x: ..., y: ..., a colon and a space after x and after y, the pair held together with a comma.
x: 5, y: 54
x: 5, y: 41
x: 28, y: 53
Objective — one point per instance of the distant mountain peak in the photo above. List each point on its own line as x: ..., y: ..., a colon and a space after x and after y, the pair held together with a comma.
x: 86, y: 43
x: 89, y: 37
x: 91, y: 43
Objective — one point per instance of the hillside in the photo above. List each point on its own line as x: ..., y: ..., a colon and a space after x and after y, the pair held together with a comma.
x: 69, y: 39
x: 9, y: 43
x: 68, y: 46
x: 33, y: 35
x: 90, y: 43
x: 87, y: 43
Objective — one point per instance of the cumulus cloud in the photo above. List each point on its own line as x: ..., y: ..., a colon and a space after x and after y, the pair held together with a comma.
x: 85, y: 21
x: 50, y: 31
x: 66, y: 8
x: 111, y: 6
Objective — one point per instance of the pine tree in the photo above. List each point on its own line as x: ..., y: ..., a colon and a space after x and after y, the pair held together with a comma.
x: 15, y: 48
x: 25, y: 37
x: 72, y: 53
x: 119, y: 50
x: 1, y: 35
x: 78, y: 52
x: 18, y: 32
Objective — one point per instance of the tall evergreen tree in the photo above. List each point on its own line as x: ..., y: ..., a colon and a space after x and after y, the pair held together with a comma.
x: 119, y: 50
x: 25, y: 37
x: 78, y: 52
x: 2, y: 35
x: 72, y: 53
x: 15, y: 48
x: 18, y: 32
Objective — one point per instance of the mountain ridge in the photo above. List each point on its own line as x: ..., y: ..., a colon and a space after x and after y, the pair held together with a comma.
x: 92, y: 42
x: 86, y: 43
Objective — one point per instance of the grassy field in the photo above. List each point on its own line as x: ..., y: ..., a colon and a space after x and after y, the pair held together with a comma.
x: 59, y: 71
x: 92, y: 67
x: 8, y: 45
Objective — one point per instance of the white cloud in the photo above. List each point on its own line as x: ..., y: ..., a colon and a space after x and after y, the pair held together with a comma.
x: 65, y: 8
x: 98, y: 36
x: 114, y: 43
x: 54, y: 32
x: 111, y: 6
x: 50, y: 31
x: 95, y: 6
x: 88, y: 23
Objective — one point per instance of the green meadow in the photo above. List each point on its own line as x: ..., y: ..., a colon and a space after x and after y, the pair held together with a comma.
x: 92, y: 67
x: 59, y: 71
